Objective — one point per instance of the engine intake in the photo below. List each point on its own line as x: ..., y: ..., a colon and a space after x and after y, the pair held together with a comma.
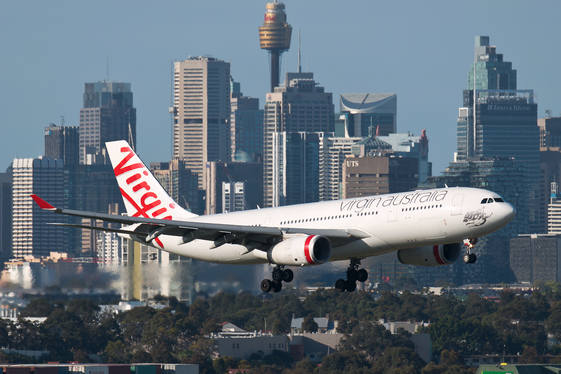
x: 437, y: 255
x: 301, y: 250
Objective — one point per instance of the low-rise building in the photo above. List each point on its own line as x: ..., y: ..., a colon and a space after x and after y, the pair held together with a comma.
x: 236, y: 342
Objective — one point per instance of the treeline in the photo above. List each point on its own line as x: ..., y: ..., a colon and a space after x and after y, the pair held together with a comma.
x: 518, y: 324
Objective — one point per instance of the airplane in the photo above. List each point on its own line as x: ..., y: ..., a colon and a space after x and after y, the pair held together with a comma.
x: 424, y: 227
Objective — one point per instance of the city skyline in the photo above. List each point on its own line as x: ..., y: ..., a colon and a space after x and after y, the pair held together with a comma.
x: 420, y: 51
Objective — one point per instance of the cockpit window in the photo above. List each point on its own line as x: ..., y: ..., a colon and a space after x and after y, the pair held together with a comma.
x: 490, y: 200
x: 499, y: 200
x: 484, y: 201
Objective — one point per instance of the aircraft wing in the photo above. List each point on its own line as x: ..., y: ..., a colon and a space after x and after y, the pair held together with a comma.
x: 151, y: 228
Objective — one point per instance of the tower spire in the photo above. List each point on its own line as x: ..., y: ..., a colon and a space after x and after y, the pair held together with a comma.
x: 299, y: 55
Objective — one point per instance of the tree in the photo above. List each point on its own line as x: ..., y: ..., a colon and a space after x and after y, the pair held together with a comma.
x: 388, y: 306
x: 87, y: 310
x: 5, y: 337
x: 371, y: 339
x: 451, y: 358
x: 81, y: 357
x: 279, y: 358
x: 398, y: 360
x: 469, y: 336
x: 277, y: 327
x: 530, y: 356
x: 133, y: 323
x: 203, y: 347
x: 162, y: 354
x: 66, y: 330
x: 222, y: 364
x: 116, y: 352
x: 37, y: 308
x: 140, y: 356
x: 477, y: 306
x: 304, y: 367
x: 198, y: 312
x: 343, y: 362
x: 553, y: 322
x: 309, y: 325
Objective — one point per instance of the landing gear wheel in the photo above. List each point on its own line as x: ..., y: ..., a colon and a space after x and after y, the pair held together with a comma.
x: 277, y: 286
x: 362, y: 275
x: 352, y: 274
x: 340, y: 285
x: 467, y: 258
x: 266, y: 285
x: 472, y: 258
x: 278, y: 275
x: 350, y: 285
x: 288, y: 276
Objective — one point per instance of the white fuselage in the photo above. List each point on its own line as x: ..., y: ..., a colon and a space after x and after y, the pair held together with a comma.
x: 390, y: 222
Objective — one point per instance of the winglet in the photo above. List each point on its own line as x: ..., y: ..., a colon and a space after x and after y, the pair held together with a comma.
x: 42, y: 203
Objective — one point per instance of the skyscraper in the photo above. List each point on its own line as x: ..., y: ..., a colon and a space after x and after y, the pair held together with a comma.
x: 300, y: 106
x: 61, y: 142
x: 505, y: 117
x: 246, y: 128
x: 296, y: 168
x: 333, y: 151
x: 498, y: 120
x: 107, y: 114
x: 201, y: 113
x: 217, y: 173
x: 382, y: 173
x: 550, y: 131
x: 366, y: 110
x: 6, y: 215
x: 43, y: 176
x: 180, y: 183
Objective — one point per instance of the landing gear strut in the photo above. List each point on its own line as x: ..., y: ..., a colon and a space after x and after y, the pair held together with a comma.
x: 353, y: 275
x: 279, y: 275
x: 470, y: 257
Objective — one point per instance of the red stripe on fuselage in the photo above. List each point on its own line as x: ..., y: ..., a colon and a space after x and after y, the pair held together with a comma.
x: 437, y: 255
x: 307, y: 250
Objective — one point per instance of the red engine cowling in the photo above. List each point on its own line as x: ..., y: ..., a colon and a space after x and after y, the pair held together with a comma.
x: 444, y: 254
x: 301, y: 250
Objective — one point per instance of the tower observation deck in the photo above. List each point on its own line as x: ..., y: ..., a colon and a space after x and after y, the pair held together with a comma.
x: 275, y: 36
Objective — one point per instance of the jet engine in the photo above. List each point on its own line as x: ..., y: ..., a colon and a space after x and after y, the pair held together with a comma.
x: 444, y: 254
x: 301, y: 250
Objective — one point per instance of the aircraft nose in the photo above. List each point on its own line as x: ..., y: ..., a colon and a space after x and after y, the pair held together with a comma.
x: 510, y: 212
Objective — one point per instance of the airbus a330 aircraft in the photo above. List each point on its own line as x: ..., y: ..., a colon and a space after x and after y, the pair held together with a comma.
x: 425, y: 227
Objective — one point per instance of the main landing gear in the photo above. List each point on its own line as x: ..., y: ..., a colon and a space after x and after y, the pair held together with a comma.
x: 353, y: 275
x: 470, y: 257
x: 279, y: 275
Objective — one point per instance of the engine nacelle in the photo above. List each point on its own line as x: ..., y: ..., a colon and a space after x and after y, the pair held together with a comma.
x: 444, y: 254
x: 301, y: 250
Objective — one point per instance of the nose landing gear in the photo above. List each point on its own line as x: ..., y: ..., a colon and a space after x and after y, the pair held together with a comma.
x: 353, y: 275
x: 279, y: 275
x: 470, y: 257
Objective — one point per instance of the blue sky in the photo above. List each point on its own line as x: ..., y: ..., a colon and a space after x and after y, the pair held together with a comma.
x: 420, y: 50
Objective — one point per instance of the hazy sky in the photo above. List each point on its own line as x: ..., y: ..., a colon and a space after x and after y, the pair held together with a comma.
x: 420, y: 50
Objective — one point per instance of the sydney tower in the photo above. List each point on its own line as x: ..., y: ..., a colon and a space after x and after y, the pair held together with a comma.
x: 275, y: 37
